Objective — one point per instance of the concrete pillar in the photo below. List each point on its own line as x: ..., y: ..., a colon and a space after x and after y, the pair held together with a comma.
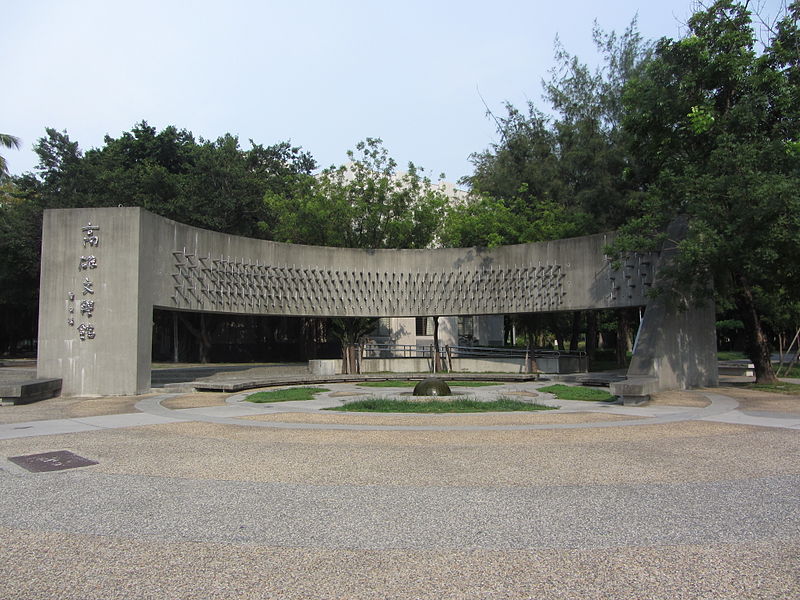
x: 95, y: 316
x: 677, y: 346
x: 489, y: 330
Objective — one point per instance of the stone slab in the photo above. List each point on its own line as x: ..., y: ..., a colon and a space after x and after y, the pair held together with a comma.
x: 31, y: 390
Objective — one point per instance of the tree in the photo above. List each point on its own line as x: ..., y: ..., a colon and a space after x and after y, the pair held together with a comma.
x: 20, y: 232
x: 715, y: 125
x: 212, y: 184
x: 365, y: 203
x: 551, y: 177
x: 560, y: 176
x: 7, y: 141
x: 350, y: 331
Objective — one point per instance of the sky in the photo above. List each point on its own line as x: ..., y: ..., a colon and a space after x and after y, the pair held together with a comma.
x: 321, y: 74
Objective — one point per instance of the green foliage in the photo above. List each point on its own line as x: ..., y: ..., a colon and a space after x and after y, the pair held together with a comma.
x: 350, y: 330
x: 298, y: 394
x: 211, y: 184
x: 730, y: 355
x: 701, y: 118
x: 458, y: 404
x: 7, y: 141
x: 550, y: 178
x: 781, y: 387
x: 709, y: 120
x: 20, y: 235
x: 366, y: 203
x: 570, y: 392
x: 729, y: 325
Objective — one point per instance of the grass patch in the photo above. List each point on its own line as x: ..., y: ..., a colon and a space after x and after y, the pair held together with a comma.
x: 289, y: 395
x: 473, y: 383
x: 396, y: 383
x: 731, y: 355
x: 776, y: 388
x: 606, y: 365
x: 456, y: 404
x: 569, y: 392
x: 794, y: 372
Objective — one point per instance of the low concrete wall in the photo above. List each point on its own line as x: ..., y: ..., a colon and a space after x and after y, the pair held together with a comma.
x: 31, y: 390
x: 562, y: 364
x: 325, y: 367
x: 488, y: 365
x: 559, y: 364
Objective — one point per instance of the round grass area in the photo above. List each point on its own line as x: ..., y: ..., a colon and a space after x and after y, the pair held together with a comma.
x: 457, y: 404
x: 289, y: 395
x: 782, y: 387
x: 396, y: 383
x: 571, y: 392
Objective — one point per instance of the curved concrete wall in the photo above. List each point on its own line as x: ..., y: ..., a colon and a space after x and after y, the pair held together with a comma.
x: 104, y: 269
x: 195, y: 269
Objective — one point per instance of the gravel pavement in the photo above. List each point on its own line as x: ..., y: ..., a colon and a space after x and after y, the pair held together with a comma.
x: 218, y: 507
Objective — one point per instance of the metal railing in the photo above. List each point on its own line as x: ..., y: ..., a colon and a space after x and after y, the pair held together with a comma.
x: 376, y: 350
x: 503, y: 352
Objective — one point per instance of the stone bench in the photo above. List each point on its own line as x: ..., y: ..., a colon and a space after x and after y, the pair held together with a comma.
x: 636, y: 390
x: 31, y: 390
x: 600, y: 379
x: 737, y: 368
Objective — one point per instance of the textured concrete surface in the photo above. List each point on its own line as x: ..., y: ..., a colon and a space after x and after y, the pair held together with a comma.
x: 68, y: 408
x: 58, y: 565
x: 227, y: 509
x: 126, y: 261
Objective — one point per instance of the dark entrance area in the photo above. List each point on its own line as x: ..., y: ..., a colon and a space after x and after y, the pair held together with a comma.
x: 195, y: 337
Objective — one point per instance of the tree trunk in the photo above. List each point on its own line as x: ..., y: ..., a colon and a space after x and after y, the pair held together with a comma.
x: 559, y: 335
x: 437, y: 359
x: 591, y: 337
x: 351, y: 362
x: 623, y: 337
x: 576, y: 331
x: 530, y: 362
x: 205, y: 342
x: 756, y: 340
x: 200, y: 335
x: 175, y: 338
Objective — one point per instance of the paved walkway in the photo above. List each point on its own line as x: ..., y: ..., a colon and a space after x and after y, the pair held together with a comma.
x: 237, y: 411
x: 207, y: 496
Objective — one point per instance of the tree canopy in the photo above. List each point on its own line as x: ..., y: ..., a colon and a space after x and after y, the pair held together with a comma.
x: 212, y: 184
x: 560, y: 174
x: 713, y: 121
x: 365, y: 203
x: 7, y: 141
x: 705, y: 127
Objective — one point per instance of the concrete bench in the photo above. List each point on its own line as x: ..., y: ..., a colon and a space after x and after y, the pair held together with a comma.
x: 737, y: 368
x: 600, y: 379
x: 636, y: 390
x: 31, y: 390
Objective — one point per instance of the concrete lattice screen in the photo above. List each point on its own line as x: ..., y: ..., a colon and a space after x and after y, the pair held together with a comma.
x: 228, y: 283
x: 138, y: 261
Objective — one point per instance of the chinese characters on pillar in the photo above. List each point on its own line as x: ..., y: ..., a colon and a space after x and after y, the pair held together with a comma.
x: 86, y: 306
x: 90, y: 237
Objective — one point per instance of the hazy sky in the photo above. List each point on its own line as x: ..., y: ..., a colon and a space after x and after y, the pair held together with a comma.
x: 323, y: 74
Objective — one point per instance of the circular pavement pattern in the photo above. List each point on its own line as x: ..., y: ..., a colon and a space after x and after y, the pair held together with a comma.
x: 209, y: 496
